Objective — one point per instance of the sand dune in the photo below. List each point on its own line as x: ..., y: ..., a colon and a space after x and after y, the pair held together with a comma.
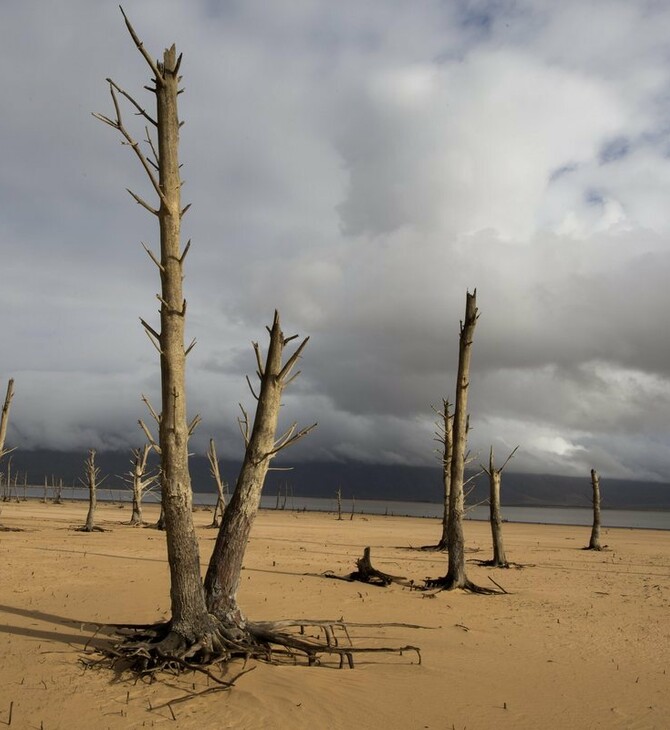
x: 581, y: 641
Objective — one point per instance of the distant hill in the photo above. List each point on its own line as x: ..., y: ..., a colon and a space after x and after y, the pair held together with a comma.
x: 364, y: 481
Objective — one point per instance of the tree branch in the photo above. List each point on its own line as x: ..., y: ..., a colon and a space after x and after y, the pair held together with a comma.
x: 140, y: 47
x: 153, y: 257
x: 292, y: 360
x: 151, y: 410
x: 140, y: 110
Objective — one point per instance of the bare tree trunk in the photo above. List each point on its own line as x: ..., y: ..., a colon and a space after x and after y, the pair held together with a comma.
x: 456, y: 577
x: 338, y: 494
x: 58, y: 491
x: 495, y: 478
x: 445, y: 436
x: 594, y: 542
x: 448, y: 443
x: 92, y: 474
x: 214, y: 470
x: 4, y: 419
x: 7, y: 483
x: 190, y: 622
x: 223, y: 574
x: 140, y: 482
x: 189, y: 612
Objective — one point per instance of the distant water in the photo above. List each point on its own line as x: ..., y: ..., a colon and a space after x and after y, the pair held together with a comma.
x: 641, y: 519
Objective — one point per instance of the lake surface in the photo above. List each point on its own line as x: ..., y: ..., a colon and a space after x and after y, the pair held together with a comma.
x: 642, y: 519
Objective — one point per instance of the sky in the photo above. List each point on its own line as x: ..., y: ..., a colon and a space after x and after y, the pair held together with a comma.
x: 358, y: 166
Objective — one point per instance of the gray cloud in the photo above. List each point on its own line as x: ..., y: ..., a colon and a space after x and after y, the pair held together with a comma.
x: 358, y: 166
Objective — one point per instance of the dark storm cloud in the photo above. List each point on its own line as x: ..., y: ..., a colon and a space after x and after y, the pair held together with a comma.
x: 358, y: 166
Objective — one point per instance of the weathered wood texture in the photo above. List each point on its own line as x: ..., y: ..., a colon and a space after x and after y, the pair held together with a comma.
x: 456, y: 577
x: 223, y: 574
x: 594, y: 542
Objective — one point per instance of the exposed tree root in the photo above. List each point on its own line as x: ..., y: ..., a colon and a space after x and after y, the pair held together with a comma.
x: 598, y: 548
x: 497, y: 564
x: 366, y: 573
x: 446, y: 583
x: 441, y: 547
x: 10, y: 529
x: 149, y: 650
x: 94, y: 528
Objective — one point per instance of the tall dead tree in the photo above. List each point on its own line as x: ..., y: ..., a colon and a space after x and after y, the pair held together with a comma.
x: 140, y: 481
x: 199, y: 630
x: 262, y: 445
x: 456, y: 576
x: 594, y: 542
x: 499, y: 559
x: 4, y: 419
x: 221, y: 486
x: 92, y: 481
x: 190, y: 622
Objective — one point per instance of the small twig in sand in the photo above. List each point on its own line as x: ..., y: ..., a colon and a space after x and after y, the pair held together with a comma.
x: 499, y: 586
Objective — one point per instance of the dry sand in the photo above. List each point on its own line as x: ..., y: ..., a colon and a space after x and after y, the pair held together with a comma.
x: 581, y: 641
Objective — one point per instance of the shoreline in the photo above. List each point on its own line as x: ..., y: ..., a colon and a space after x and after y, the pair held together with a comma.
x: 124, y: 497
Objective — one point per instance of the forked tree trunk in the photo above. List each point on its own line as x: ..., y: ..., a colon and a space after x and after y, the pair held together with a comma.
x: 223, y: 574
x: 140, y: 482
x: 594, y: 542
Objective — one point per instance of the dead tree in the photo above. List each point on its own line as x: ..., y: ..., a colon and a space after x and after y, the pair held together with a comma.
x: 4, y: 422
x: 92, y: 481
x: 57, y: 489
x: 456, y: 577
x: 594, y: 542
x: 202, y: 630
x: 160, y: 523
x: 444, y: 435
x: 221, y: 486
x: 4, y: 419
x: 366, y: 573
x: 338, y: 494
x: 190, y: 623
x: 6, y: 482
x: 140, y: 482
x: 499, y: 559
x: 262, y: 445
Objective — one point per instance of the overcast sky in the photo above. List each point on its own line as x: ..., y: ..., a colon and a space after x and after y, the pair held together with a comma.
x: 359, y: 166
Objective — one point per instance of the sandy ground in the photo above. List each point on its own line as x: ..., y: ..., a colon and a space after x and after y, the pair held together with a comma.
x: 581, y: 641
